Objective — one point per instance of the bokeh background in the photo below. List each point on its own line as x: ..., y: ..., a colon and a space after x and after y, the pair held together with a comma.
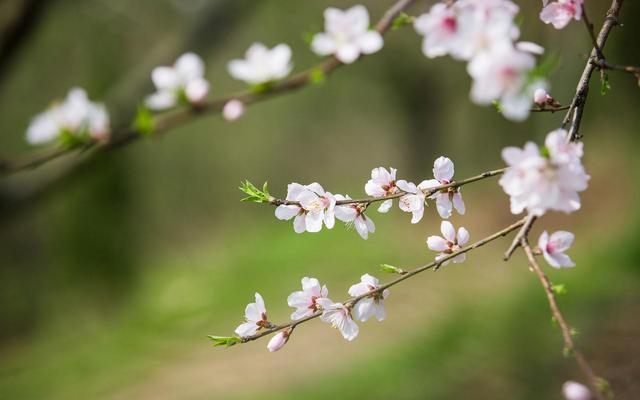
x: 111, y: 280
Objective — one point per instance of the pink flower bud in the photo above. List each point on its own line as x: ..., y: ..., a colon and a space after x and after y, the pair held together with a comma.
x: 278, y: 341
x: 233, y: 110
x: 575, y: 391
x: 540, y: 96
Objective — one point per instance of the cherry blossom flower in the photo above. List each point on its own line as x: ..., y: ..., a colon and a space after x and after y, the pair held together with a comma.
x: 449, y: 242
x: 372, y: 305
x: 316, y: 206
x: 554, y: 246
x: 538, y: 182
x: 346, y: 35
x: 256, y: 318
x: 233, y: 110
x: 184, y: 80
x: 440, y: 29
x: 413, y: 201
x: 382, y: 183
x: 339, y: 316
x: 354, y: 214
x: 575, y: 391
x: 530, y: 47
x: 262, y: 65
x: 449, y: 198
x: 559, y: 13
x: 307, y: 301
x: 279, y: 340
x: 76, y: 119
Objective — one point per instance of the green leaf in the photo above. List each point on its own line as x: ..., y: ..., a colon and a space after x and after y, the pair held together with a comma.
x: 71, y: 140
x: 254, y: 194
x: 567, y: 352
x: 317, y: 76
x: 605, y: 86
x: 261, y: 87
x: 391, y: 269
x: 308, y: 37
x: 226, y: 341
x: 497, y: 106
x: 559, y: 289
x: 401, y: 20
x: 144, y: 122
x: 544, y: 152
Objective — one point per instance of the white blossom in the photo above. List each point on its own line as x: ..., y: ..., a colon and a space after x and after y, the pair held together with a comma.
x: 538, y: 182
x: 413, y: 201
x: 554, y: 246
x: 307, y: 301
x: 449, y: 243
x: 449, y: 198
x: 278, y: 340
x: 560, y: 13
x: 256, y: 318
x: 233, y: 110
x: 372, y: 305
x: 262, y: 65
x: 339, y: 316
x: 382, y: 183
x: 315, y: 207
x: 185, y: 79
x: 354, y: 214
x: 575, y: 391
x: 76, y: 117
x: 346, y: 35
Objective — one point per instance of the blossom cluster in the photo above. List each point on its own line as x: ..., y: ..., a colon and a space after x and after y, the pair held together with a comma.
x: 547, y: 178
x: 311, y: 207
x: 484, y: 34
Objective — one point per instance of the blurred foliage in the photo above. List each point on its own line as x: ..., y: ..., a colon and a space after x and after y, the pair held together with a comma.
x: 110, y: 283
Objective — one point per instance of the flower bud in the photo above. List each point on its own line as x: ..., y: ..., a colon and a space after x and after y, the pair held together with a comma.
x: 233, y: 110
x: 540, y: 97
x: 278, y: 341
x: 575, y: 391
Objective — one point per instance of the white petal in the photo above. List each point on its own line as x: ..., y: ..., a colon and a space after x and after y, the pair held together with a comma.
x: 408, y: 187
x: 458, y: 203
x: 298, y: 299
x: 260, y: 303
x: 436, y: 243
x: 385, y: 206
x: 417, y: 214
x: 349, y: 329
x: 370, y: 42
x: 459, y: 258
x: 347, y: 53
x: 165, y: 78
x: 443, y: 169
x: 299, y: 225
x: 189, y: 67
x: 444, y: 205
x: 246, y: 329
x: 463, y: 236
x: 161, y: 100
x: 197, y: 90
x: 562, y: 240
x: 313, y: 221
x: 361, y: 227
x: 287, y: 212
x: 323, y: 45
x: 448, y: 232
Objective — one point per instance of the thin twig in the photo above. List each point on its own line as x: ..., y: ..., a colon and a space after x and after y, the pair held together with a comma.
x: 164, y: 123
x: 432, y: 265
x: 567, y: 331
x: 594, y: 41
x: 524, y: 231
x: 550, y: 109
x: 428, y: 192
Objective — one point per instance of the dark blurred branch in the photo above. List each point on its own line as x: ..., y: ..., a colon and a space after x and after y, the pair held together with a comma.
x: 434, y: 265
x: 128, y: 135
x: 14, y: 35
x: 567, y: 331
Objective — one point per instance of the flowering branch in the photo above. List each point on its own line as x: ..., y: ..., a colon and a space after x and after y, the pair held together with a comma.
x: 406, y: 274
x: 570, y: 349
x: 128, y: 135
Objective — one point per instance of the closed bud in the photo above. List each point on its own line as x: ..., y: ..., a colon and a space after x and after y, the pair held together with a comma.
x: 233, y: 110
x: 279, y: 340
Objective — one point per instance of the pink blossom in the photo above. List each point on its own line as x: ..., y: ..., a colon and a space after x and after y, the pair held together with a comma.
x: 449, y: 243
x: 339, y: 316
x: 354, y: 214
x: 279, y: 340
x: 559, y: 13
x: 449, y: 198
x: 306, y: 302
x: 372, y: 305
x: 413, y: 201
x: 233, y: 110
x: 256, y: 318
x: 575, y: 391
x: 382, y: 183
x: 540, y: 97
x: 315, y: 207
x: 554, y: 246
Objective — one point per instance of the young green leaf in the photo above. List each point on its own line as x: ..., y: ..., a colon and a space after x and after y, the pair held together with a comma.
x: 144, y: 122
x: 254, y: 194
x: 226, y: 341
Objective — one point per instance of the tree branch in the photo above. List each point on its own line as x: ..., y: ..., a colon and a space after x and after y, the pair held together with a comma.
x: 127, y: 135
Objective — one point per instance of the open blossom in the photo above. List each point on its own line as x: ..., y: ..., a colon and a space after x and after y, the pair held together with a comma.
x: 354, y: 214
x: 339, y: 316
x: 382, y: 183
x: 554, y: 246
x: 449, y: 243
x: 307, y: 301
x: 413, y: 201
x: 538, y: 181
x: 559, y: 13
x: 256, y: 318
x: 449, y: 198
x: 372, y: 305
x: 185, y: 79
x: 261, y: 64
x: 440, y: 29
x: 346, y: 34
x: 76, y: 116
x: 279, y: 340
x: 316, y: 206
x: 575, y: 391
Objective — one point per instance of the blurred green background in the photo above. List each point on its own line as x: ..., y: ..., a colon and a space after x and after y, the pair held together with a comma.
x: 110, y: 283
